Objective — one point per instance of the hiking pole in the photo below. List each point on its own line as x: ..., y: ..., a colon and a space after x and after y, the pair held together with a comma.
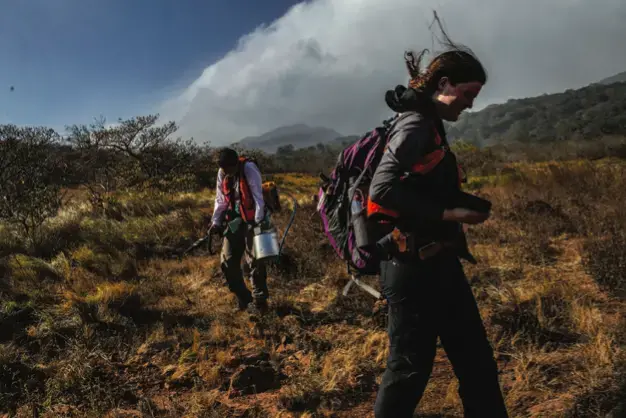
x: 355, y: 280
x: 293, y: 216
x: 208, y: 237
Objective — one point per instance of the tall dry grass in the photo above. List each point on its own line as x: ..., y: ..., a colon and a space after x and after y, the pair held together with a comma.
x: 102, y: 320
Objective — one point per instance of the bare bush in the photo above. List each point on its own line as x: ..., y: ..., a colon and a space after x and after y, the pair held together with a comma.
x: 133, y: 154
x: 30, y: 177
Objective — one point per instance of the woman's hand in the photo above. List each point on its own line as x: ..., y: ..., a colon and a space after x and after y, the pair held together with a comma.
x: 465, y: 216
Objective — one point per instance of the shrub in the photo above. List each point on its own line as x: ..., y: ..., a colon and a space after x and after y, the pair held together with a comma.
x: 30, y: 178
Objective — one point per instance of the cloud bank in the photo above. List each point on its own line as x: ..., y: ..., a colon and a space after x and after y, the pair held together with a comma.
x: 329, y: 62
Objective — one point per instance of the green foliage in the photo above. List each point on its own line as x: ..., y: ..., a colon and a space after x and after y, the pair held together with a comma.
x: 24, y: 268
x: 311, y: 160
x: 588, y: 113
x: 463, y: 146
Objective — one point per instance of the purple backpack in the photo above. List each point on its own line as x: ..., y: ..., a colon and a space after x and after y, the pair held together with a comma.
x: 343, y: 196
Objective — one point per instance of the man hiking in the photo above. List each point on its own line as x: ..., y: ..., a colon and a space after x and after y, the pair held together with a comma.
x: 239, y: 206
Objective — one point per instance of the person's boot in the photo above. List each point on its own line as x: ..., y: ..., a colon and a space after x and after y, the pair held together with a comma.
x: 257, y: 308
x: 261, y: 305
x: 242, y: 303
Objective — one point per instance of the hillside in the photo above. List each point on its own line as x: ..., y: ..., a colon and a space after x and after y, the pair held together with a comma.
x: 299, y: 135
x: 586, y: 113
x: 590, y: 122
x: 617, y: 78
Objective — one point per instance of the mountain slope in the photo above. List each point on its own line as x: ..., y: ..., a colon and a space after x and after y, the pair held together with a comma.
x: 589, y: 112
x: 299, y: 135
x: 617, y: 78
x: 586, y: 113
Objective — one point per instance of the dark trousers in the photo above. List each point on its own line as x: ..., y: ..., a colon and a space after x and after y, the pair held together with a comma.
x: 237, y: 245
x: 430, y: 299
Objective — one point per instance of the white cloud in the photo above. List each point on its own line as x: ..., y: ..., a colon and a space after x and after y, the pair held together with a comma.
x: 329, y: 62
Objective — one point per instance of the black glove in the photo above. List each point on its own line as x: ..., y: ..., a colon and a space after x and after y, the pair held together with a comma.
x: 469, y: 201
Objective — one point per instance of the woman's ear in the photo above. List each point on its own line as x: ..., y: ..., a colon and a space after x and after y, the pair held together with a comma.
x: 443, y: 83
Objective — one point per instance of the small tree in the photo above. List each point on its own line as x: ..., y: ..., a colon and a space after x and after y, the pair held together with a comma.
x: 97, y: 167
x: 133, y: 154
x: 204, y: 166
x: 30, y: 177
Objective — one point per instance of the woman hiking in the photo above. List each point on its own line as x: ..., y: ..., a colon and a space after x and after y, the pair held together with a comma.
x: 427, y: 292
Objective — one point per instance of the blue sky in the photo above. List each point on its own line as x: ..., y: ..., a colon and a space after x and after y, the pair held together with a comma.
x: 226, y: 69
x: 72, y: 60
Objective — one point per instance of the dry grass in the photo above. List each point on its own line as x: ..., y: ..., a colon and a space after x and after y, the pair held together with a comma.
x: 100, y: 320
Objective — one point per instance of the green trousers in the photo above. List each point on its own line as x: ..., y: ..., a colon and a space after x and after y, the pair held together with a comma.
x: 238, y: 245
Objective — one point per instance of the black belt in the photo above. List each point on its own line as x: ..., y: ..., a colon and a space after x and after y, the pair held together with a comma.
x: 409, y: 244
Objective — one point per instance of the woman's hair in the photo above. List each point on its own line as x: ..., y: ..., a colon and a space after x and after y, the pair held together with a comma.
x: 456, y: 62
x: 459, y: 66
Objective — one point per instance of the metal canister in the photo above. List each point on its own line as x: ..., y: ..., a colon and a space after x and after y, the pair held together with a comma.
x: 265, y: 244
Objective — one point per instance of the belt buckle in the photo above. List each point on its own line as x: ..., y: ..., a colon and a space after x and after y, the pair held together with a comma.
x: 400, y: 239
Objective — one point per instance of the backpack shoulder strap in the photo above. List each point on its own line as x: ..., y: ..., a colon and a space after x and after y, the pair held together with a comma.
x: 383, y: 133
x: 240, y: 171
x: 242, y: 163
